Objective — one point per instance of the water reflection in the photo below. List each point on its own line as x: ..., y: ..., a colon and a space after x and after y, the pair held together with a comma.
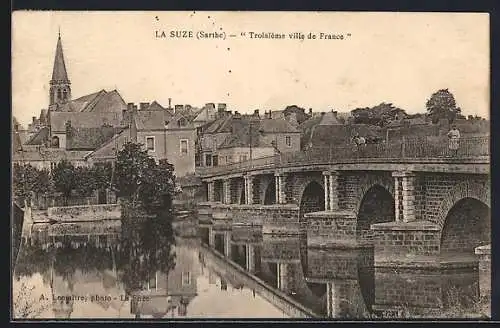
x: 138, y: 269
x: 343, y: 283
x: 123, y: 269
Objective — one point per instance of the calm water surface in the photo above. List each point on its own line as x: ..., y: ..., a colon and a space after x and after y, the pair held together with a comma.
x: 141, y: 270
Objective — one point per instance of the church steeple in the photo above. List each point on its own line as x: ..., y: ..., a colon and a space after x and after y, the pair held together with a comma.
x: 60, y: 90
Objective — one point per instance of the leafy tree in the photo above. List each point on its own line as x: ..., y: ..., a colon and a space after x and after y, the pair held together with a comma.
x: 28, y: 179
x: 442, y: 105
x: 85, y: 181
x: 380, y: 115
x: 102, y: 173
x: 129, y: 169
x: 64, y: 179
x: 141, y: 181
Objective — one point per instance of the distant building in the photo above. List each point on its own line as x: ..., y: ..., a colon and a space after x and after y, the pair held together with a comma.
x: 236, y: 138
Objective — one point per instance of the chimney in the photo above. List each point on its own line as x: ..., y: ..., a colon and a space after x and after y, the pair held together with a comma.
x: 178, y: 108
x: 169, y: 103
x: 256, y: 113
x: 33, y: 119
x: 221, y: 107
x: 270, y: 114
x: 144, y: 106
x: 310, y: 111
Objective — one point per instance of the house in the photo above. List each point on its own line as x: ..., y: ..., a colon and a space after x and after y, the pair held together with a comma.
x: 163, y: 135
x: 237, y: 138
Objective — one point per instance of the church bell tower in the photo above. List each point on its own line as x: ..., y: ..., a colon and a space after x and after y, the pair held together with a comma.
x: 60, y: 86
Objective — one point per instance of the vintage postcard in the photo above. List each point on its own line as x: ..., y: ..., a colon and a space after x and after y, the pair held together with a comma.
x: 330, y: 165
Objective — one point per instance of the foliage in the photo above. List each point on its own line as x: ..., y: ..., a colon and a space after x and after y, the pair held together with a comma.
x: 141, y: 181
x: 442, y: 105
x: 300, y: 113
x: 380, y: 115
x: 64, y: 178
x: 25, y: 304
x: 146, y: 248
x: 27, y: 179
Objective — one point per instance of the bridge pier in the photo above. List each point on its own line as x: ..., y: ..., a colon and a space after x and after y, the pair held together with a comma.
x: 227, y: 244
x: 211, y: 191
x: 404, y: 183
x: 331, y: 228
x: 484, y: 254
x: 280, y: 188
x: 250, y: 258
x: 248, y: 189
x: 331, y: 190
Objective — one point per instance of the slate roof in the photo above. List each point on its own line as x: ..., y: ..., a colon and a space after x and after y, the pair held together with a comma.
x: 329, y: 119
x: 48, y: 154
x: 172, y: 122
x: 99, y: 102
x: 108, y: 149
x: 89, y: 138
x: 82, y: 120
x: 156, y: 106
x: 277, y: 126
x: 59, y: 71
x: 150, y: 120
x: 39, y: 137
x: 242, y: 135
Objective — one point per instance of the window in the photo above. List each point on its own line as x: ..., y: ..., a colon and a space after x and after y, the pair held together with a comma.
x: 184, y: 146
x: 243, y: 158
x: 150, y: 143
x: 215, y: 160
x: 288, y: 141
x: 186, y: 278
x: 208, y: 160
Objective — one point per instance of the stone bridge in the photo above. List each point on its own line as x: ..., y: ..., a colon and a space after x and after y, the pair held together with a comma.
x: 423, y: 208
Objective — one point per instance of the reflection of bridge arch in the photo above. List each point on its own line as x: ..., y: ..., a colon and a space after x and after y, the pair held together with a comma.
x: 270, y: 193
x: 466, y: 226
x: 312, y: 198
x: 377, y: 206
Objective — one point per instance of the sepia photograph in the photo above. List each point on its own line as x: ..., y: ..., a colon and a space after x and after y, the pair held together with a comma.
x: 237, y: 164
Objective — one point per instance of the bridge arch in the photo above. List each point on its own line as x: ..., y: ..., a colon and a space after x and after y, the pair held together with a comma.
x: 465, y: 189
x: 367, y: 182
x: 466, y: 226
x: 377, y: 206
x: 270, y: 193
x: 312, y: 198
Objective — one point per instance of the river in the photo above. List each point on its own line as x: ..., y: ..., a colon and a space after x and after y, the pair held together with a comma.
x: 143, y: 269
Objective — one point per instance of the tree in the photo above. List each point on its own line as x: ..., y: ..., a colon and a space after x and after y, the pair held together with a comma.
x: 442, y: 105
x: 27, y: 179
x: 380, y: 115
x: 85, y: 181
x: 64, y: 179
x: 141, y: 181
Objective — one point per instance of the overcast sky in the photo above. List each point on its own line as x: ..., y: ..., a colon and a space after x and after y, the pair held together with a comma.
x: 393, y: 57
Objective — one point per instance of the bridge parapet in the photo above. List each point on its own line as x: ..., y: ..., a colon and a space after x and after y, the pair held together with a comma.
x: 406, y: 150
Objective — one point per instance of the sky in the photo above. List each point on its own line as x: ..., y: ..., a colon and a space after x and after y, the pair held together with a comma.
x: 400, y: 58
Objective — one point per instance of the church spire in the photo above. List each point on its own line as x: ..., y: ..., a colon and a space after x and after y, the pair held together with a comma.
x: 60, y: 90
x: 59, y: 71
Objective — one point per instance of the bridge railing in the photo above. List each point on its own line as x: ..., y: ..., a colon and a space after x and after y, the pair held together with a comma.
x: 406, y: 148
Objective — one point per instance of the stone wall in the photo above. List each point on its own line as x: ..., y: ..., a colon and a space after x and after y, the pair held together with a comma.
x: 85, y: 212
x: 398, y: 238
x: 442, y: 191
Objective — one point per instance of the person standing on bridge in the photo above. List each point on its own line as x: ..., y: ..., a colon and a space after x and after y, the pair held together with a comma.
x: 454, y: 140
